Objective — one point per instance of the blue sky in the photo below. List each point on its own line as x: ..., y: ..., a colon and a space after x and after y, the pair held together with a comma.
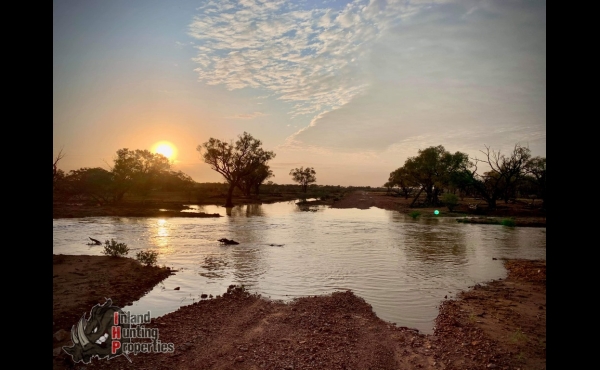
x: 351, y: 88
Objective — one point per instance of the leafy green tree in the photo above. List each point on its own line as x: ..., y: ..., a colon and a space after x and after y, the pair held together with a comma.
x: 137, y: 170
x: 234, y: 161
x: 433, y: 169
x: 450, y: 200
x: 399, y: 178
x: 304, y: 176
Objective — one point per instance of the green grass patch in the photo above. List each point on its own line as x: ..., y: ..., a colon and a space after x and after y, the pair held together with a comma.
x: 414, y: 214
x: 508, y: 222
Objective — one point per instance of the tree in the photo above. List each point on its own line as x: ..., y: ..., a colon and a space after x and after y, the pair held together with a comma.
x: 505, y: 173
x: 234, y: 161
x: 255, y: 179
x: 304, y: 176
x: 399, y: 178
x: 536, y: 171
x: 177, y: 181
x: 57, y: 173
x: 89, y: 183
x: 137, y: 170
x: 433, y: 169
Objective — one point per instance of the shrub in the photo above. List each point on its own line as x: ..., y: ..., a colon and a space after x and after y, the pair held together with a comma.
x: 414, y: 214
x: 450, y: 200
x: 508, y: 222
x: 147, y: 258
x: 114, y: 249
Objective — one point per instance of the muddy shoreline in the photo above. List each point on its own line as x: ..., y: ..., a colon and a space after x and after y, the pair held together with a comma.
x: 501, y: 324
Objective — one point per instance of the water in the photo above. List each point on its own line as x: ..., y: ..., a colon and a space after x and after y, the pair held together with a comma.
x: 402, y: 267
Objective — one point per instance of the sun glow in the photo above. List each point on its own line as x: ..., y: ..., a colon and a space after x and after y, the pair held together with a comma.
x: 165, y: 148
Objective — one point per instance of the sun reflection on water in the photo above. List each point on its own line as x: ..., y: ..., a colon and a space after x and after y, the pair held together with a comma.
x: 161, y: 231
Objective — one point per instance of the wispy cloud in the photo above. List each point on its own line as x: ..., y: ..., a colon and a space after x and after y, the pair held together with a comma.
x: 307, y: 57
x: 408, y: 67
x: 246, y: 115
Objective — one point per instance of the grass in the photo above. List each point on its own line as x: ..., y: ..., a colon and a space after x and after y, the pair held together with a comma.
x: 518, y: 336
x: 147, y: 258
x: 508, y: 222
x: 414, y: 214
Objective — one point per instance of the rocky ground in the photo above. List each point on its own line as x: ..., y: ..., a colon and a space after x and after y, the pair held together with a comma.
x: 500, y: 324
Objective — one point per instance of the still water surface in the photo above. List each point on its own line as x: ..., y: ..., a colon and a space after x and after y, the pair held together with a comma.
x: 402, y: 267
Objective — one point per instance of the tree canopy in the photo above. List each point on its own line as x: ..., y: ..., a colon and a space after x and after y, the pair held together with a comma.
x: 433, y: 169
x: 235, y: 161
x: 137, y: 170
x: 304, y: 176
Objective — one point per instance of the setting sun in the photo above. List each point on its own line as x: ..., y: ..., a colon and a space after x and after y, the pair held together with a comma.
x: 165, y: 148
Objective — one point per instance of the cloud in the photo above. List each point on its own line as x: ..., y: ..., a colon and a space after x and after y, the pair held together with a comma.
x: 247, y: 115
x: 309, y: 58
x: 377, y: 74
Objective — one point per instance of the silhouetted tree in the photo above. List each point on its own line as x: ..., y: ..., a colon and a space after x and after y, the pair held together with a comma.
x: 254, y: 180
x: 234, y: 161
x: 137, y: 170
x: 304, y: 176
x: 57, y: 173
x: 89, y: 183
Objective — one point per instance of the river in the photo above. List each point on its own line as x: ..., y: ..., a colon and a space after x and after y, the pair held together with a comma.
x: 403, y: 267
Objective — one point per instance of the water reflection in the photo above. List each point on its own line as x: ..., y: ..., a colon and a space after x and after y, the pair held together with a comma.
x: 402, y: 267
x: 435, y: 245
x: 247, y: 210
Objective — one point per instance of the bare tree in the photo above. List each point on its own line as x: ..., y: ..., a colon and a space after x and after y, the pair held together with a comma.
x: 56, y: 172
x: 505, y: 173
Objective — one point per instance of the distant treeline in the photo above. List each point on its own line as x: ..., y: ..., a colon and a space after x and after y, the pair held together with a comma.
x: 425, y: 177
x: 139, y: 174
x: 435, y: 172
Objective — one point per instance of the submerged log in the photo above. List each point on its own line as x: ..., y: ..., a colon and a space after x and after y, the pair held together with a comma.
x: 96, y: 241
x: 228, y: 241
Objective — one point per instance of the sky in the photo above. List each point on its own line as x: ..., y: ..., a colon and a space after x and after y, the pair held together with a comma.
x: 350, y: 88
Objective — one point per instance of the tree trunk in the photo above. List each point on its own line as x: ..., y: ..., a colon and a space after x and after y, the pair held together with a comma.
x: 229, y: 202
x: 416, y: 197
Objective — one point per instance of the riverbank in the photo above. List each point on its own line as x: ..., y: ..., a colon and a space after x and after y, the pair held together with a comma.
x: 519, y: 213
x: 501, y: 325
x: 469, y: 210
x: 169, y: 207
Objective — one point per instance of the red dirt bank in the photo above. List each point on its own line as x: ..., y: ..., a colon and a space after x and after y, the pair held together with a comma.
x: 499, y: 325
